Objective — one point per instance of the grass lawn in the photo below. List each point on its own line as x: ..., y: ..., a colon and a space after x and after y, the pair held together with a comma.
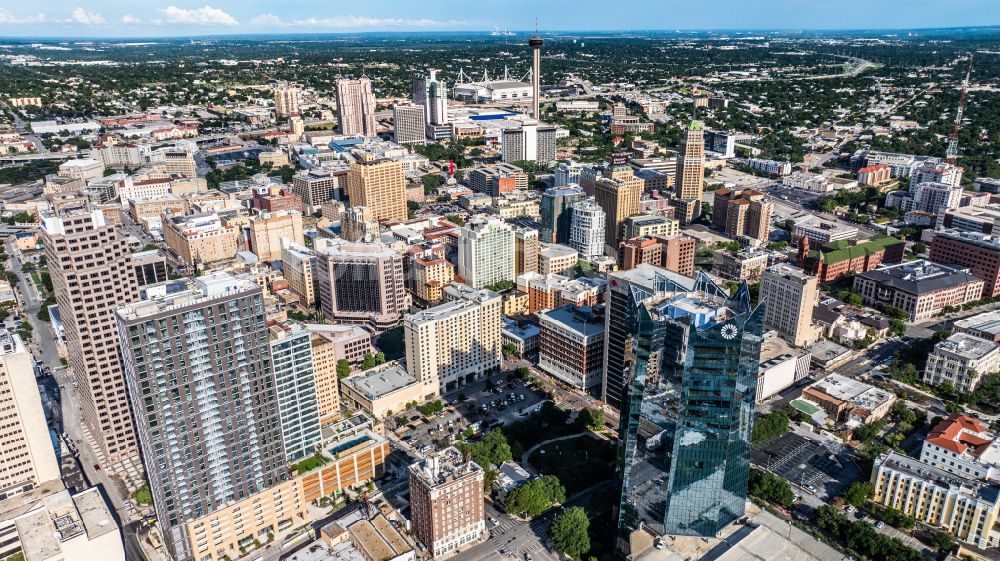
x: 143, y: 496
x: 578, y: 462
x: 310, y: 463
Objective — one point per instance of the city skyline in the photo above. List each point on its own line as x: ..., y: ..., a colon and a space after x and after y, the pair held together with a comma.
x: 181, y: 18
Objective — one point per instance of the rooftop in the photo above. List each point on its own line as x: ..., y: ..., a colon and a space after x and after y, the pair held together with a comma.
x: 379, y: 382
x: 853, y: 391
x: 444, y: 467
x: 201, y: 290
x: 919, y: 277
x: 841, y: 250
x: 966, y: 485
x: 986, y: 322
x: 966, y: 346
x: 963, y: 434
x: 585, y: 320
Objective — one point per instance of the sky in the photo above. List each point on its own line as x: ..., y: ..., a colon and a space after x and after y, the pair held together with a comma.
x: 159, y: 18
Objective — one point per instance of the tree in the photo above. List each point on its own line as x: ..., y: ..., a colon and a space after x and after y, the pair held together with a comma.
x: 767, y: 486
x: 569, y: 532
x: 368, y: 362
x: 379, y: 358
x: 943, y: 542
x: 43, y: 314
x: 508, y: 349
x: 591, y: 418
x: 769, y: 426
x: 858, y: 493
x: 919, y: 247
x: 535, y: 496
x: 343, y: 368
x: 432, y: 408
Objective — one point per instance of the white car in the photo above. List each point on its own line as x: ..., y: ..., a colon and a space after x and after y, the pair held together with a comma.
x: 880, y: 524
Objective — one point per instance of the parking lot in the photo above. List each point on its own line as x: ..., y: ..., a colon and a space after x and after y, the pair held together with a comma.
x: 809, y: 466
x: 480, y: 410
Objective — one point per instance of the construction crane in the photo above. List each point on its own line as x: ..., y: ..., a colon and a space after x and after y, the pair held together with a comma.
x: 952, y: 153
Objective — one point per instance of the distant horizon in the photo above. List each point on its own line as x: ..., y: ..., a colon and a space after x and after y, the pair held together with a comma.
x: 106, y: 19
x: 513, y: 32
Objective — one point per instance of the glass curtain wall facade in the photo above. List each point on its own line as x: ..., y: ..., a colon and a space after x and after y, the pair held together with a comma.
x: 687, y: 411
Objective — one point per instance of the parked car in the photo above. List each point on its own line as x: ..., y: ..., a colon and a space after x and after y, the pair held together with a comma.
x: 880, y: 524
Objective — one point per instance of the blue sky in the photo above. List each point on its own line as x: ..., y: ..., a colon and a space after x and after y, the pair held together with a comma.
x: 152, y: 18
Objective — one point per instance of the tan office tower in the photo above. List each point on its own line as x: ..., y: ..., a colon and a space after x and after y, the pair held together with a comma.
x: 379, y: 185
x: 789, y: 295
x: 446, y: 502
x: 355, y: 107
x: 689, y: 178
x: 91, y: 268
x: 27, y: 458
x: 619, y: 199
x: 330, y: 345
x: 286, y: 99
x: 179, y: 162
x: 742, y: 213
x: 409, y: 122
x: 269, y: 228
x: 525, y: 251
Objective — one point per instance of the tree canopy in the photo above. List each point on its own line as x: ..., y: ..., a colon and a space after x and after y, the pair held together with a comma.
x: 535, y: 496
x: 569, y: 532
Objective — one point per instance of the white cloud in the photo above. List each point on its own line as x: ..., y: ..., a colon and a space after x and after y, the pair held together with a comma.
x: 266, y: 19
x: 347, y: 22
x: 198, y: 16
x: 84, y: 17
x: 130, y: 19
x: 7, y: 18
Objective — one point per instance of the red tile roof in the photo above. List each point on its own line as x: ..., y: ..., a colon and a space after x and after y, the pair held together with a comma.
x: 951, y: 434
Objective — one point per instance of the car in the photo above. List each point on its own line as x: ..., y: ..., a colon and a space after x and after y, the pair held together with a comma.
x: 97, y: 467
x: 880, y: 524
x: 850, y: 509
x: 812, y: 488
x: 527, y: 557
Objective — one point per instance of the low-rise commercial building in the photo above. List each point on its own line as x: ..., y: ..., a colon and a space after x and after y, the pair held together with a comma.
x: 962, y: 360
x: 385, y: 389
x: 522, y: 335
x: 556, y: 259
x: 821, y: 233
x: 549, y: 291
x: 920, y: 288
x: 58, y: 526
x: 746, y: 264
x: 572, y: 345
x: 985, y: 326
x: 781, y: 366
x: 850, y: 401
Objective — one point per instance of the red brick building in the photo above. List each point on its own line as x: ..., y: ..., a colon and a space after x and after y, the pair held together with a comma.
x: 980, y: 253
x: 837, y: 259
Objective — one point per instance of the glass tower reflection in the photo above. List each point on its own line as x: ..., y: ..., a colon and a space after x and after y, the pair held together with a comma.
x: 687, y: 411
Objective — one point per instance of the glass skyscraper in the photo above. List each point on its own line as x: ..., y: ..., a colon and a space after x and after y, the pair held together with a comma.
x: 691, y: 359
